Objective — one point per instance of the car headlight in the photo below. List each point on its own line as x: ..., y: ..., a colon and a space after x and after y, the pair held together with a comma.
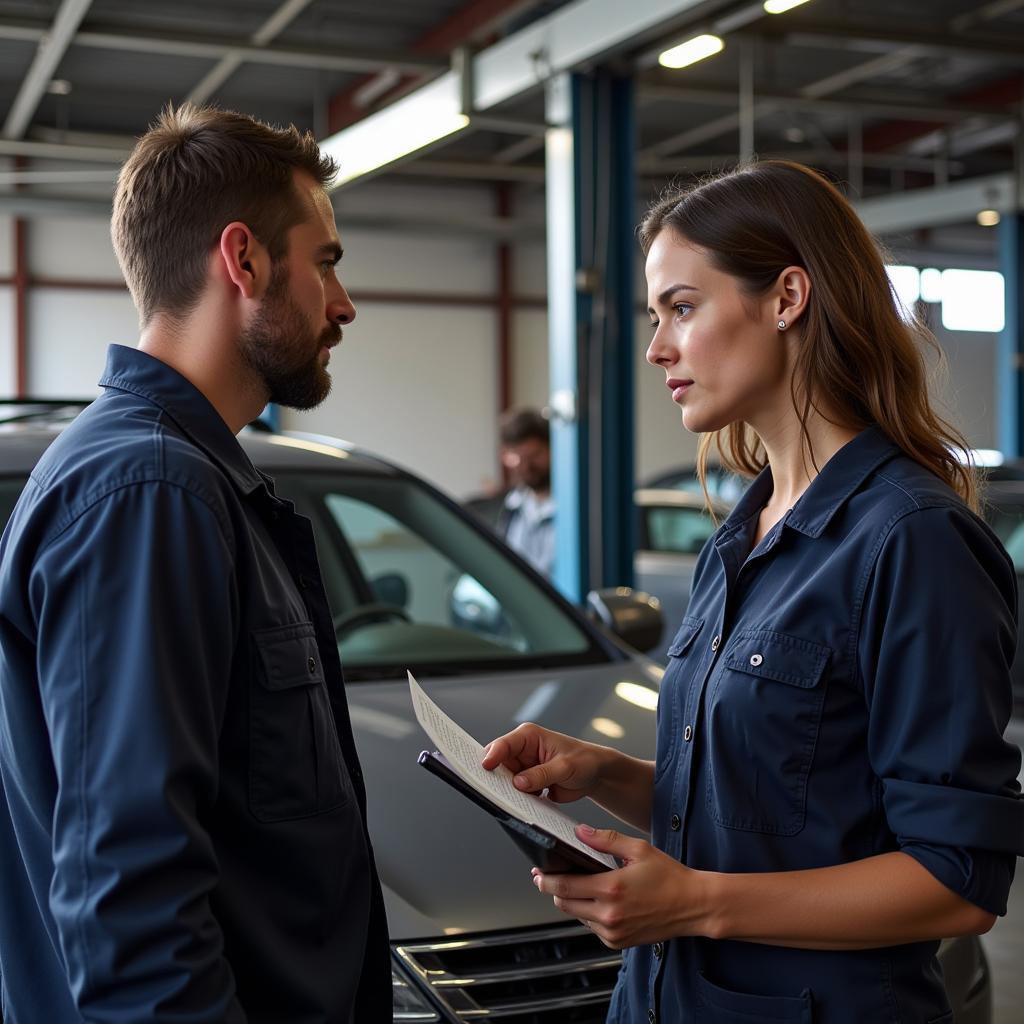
x: 409, y: 1004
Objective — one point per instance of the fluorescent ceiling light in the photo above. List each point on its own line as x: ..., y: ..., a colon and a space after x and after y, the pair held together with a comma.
x: 988, y: 218
x: 781, y: 6
x: 691, y: 51
x: 412, y: 123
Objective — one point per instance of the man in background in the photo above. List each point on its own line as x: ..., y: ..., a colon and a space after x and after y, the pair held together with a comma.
x: 182, y: 813
x: 527, y: 516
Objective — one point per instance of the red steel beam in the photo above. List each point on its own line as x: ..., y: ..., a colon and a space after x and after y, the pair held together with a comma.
x: 1004, y: 91
x: 472, y: 21
x: 503, y: 197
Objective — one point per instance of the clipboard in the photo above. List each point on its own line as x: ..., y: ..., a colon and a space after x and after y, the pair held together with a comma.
x: 545, y: 851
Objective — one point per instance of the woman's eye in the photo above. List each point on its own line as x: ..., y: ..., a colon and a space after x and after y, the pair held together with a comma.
x: 682, y: 308
x: 654, y: 324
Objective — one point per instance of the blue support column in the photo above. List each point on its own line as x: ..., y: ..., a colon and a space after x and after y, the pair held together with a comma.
x: 591, y: 249
x: 1010, y: 361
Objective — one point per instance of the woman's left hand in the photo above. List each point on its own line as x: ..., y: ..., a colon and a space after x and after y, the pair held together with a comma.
x: 650, y: 898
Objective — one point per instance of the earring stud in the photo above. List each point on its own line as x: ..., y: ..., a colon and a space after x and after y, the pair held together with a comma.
x: 782, y: 325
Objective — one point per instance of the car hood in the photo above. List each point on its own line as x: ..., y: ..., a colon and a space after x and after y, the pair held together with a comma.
x: 447, y: 867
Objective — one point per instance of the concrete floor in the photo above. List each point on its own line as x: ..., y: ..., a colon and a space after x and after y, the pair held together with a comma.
x: 1005, y: 943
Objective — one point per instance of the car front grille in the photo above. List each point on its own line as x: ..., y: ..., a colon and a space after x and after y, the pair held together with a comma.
x: 540, y: 976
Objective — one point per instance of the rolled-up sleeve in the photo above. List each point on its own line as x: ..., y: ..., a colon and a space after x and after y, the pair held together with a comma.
x: 136, y: 607
x: 936, y: 642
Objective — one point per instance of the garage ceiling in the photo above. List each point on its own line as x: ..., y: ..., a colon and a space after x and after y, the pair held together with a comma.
x: 883, y: 94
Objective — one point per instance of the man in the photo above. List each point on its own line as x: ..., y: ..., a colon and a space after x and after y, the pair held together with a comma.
x: 182, y: 822
x: 527, y: 517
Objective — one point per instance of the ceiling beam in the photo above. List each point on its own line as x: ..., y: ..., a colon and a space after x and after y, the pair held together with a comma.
x: 935, y: 207
x: 192, y: 44
x: 231, y: 62
x: 942, y: 113
x: 879, y: 39
x: 62, y: 151
x: 49, y: 53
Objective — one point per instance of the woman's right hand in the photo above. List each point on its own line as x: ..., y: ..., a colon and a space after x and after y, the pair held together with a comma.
x: 567, y: 768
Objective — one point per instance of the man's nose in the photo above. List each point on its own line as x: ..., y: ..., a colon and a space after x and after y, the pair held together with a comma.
x: 340, y: 308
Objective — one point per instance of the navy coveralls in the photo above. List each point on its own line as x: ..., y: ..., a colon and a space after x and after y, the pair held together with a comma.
x: 838, y: 692
x: 182, y: 814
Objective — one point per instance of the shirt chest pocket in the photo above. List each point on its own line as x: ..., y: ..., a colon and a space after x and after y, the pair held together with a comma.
x: 763, y: 715
x: 296, y: 768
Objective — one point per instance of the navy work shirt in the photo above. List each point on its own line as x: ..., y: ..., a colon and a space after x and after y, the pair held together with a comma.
x: 838, y: 692
x: 182, y: 818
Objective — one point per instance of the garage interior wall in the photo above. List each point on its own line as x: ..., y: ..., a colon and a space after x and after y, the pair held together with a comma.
x: 417, y: 382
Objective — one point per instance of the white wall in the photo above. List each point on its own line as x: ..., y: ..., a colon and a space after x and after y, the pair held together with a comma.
x: 8, y: 370
x: 418, y: 386
x: 69, y: 331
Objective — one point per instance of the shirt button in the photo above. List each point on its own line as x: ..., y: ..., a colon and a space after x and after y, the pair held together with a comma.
x: 659, y: 951
x: 715, y: 643
x: 676, y: 822
x: 311, y: 665
x: 652, y: 1017
x: 688, y: 734
x: 756, y: 659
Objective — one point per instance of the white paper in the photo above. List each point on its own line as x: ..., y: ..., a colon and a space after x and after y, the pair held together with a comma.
x: 464, y: 754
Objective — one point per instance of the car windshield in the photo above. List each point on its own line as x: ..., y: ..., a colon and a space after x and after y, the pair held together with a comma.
x: 414, y: 584
x: 1006, y: 517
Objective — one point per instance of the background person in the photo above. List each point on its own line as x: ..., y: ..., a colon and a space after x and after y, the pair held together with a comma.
x: 526, y: 519
x: 832, y: 794
x: 182, y: 822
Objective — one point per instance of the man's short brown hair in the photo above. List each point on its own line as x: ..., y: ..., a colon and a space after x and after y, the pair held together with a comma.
x: 519, y: 425
x: 195, y: 171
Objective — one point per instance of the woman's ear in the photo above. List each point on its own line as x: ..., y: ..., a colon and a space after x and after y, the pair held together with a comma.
x: 244, y: 260
x: 792, y: 291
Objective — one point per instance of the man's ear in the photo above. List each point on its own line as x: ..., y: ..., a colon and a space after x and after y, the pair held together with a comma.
x: 245, y: 260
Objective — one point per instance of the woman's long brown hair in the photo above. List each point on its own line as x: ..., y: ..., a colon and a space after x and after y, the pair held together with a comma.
x: 858, y: 358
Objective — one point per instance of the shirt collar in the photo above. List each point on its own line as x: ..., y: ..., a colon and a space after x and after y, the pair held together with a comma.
x: 828, y: 491
x: 137, y: 372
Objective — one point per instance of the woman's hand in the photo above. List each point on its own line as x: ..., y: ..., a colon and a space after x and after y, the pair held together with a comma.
x: 649, y: 899
x: 541, y: 759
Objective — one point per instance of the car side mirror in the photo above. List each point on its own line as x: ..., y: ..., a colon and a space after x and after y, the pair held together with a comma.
x: 631, y: 615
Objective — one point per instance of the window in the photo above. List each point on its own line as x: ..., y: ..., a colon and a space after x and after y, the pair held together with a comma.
x: 413, y: 584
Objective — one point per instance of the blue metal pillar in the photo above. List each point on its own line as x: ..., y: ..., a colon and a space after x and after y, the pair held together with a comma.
x: 591, y: 252
x: 1010, y: 362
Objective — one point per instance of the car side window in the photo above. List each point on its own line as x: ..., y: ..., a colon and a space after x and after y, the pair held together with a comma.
x: 678, y: 529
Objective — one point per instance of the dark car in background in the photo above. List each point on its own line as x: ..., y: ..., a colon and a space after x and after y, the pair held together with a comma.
x: 416, y: 583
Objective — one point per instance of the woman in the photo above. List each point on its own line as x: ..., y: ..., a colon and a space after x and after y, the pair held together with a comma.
x: 832, y: 794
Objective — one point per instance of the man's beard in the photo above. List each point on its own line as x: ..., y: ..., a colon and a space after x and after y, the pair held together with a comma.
x: 283, y: 352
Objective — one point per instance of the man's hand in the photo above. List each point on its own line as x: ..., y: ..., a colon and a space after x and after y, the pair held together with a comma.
x: 650, y: 899
x: 567, y: 768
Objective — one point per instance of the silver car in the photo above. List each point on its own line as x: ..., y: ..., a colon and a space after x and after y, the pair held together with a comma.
x: 416, y: 583
x: 673, y: 527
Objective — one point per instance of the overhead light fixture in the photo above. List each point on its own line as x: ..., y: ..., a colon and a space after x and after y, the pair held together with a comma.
x: 59, y: 87
x: 693, y: 50
x: 988, y: 218
x: 781, y: 6
x: 409, y: 125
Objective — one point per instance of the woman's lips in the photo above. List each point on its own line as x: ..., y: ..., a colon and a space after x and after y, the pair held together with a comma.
x: 678, y: 387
